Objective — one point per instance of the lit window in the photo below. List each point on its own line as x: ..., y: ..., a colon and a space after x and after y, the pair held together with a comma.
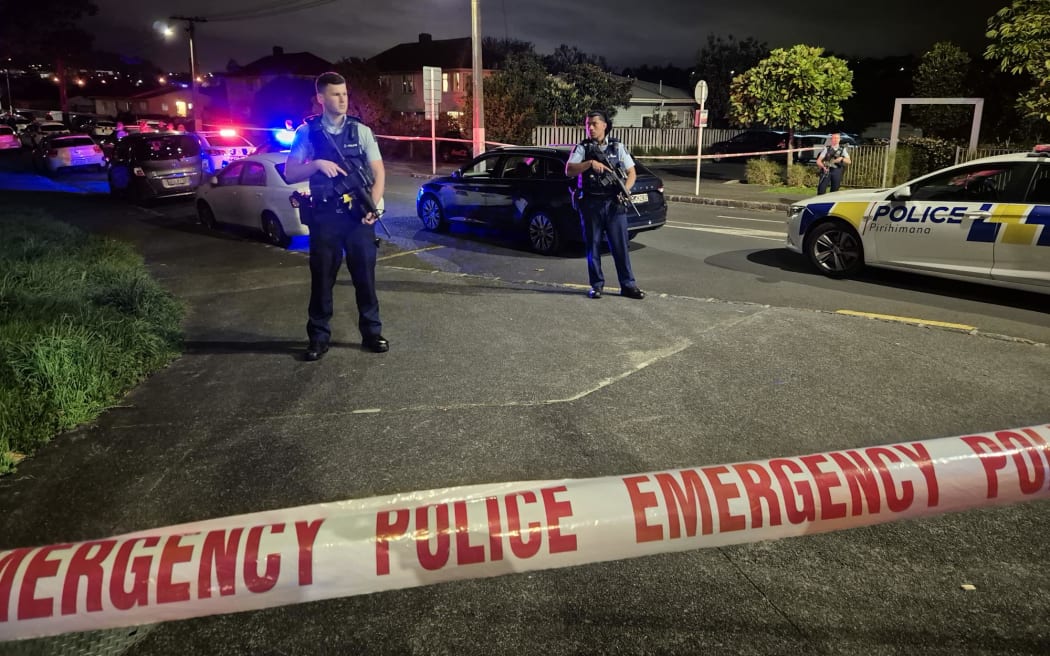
x: 444, y: 83
x: 180, y: 108
x: 456, y: 82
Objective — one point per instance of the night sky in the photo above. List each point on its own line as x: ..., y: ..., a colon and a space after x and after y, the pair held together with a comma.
x: 627, y: 33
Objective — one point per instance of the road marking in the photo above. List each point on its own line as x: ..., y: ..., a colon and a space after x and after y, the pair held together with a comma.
x: 418, y: 250
x: 912, y: 320
x: 741, y: 218
x: 736, y: 232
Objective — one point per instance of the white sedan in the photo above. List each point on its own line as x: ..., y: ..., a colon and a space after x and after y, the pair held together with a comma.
x: 252, y: 192
x: 987, y: 221
x: 69, y: 151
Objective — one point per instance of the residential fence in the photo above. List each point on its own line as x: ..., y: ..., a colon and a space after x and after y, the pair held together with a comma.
x: 964, y: 155
x: 638, y: 140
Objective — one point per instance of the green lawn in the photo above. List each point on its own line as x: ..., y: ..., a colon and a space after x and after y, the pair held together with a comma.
x: 81, y: 322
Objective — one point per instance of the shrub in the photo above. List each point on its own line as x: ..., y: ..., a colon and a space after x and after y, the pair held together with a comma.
x: 801, y: 175
x: 764, y: 172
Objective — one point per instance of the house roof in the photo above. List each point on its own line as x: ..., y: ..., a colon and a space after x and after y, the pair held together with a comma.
x: 642, y: 90
x: 284, y: 63
x: 450, y: 54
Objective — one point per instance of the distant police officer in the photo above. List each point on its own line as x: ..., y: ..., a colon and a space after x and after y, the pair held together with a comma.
x: 600, y: 205
x: 832, y: 162
x: 336, y: 227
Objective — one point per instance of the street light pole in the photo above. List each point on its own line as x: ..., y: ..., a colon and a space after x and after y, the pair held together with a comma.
x: 479, y: 96
x: 191, y: 22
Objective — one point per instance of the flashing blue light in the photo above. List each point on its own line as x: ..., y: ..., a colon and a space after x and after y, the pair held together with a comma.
x: 285, y: 137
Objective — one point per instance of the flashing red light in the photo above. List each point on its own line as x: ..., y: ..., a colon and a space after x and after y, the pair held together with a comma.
x: 227, y: 132
x: 1041, y: 148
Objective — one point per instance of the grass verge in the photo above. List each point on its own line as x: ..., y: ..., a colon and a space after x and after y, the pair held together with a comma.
x: 807, y: 191
x: 81, y: 322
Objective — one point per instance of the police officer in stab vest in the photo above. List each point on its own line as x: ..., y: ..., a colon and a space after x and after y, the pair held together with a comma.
x: 335, y: 226
x: 832, y: 162
x: 599, y: 203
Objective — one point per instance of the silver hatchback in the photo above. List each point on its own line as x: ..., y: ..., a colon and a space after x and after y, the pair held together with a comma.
x: 156, y: 165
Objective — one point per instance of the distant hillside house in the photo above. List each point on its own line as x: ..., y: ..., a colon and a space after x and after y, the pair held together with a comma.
x: 650, y: 98
x: 168, y: 102
x: 401, y: 72
x: 241, y: 85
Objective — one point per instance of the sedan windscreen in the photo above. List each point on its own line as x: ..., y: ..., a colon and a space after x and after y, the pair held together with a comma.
x: 69, y: 142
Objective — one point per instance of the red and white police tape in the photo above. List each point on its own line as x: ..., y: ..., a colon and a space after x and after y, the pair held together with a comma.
x: 348, y: 548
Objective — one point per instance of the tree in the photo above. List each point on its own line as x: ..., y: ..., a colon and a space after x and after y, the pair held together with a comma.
x: 496, y: 51
x: 580, y: 89
x: 56, y: 37
x: 1020, y: 42
x: 368, y: 99
x: 718, y: 62
x: 565, y: 57
x: 512, y: 99
x: 797, y: 88
x: 942, y: 73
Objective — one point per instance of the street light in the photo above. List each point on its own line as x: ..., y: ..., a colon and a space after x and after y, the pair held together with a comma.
x: 479, y: 97
x: 167, y: 31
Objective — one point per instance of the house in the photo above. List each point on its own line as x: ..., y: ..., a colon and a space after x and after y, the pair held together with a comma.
x: 170, y: 102
x: 651, y: 98
x: 401, y: 72
x: 242, y: 84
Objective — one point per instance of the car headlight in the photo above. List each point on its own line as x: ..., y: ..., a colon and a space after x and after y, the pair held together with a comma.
x: 795, y: 210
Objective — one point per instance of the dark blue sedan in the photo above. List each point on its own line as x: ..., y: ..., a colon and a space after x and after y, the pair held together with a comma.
x: 525, y: 189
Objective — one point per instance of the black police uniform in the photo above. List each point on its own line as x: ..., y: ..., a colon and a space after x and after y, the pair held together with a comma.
x: 834, y: 175
x: 601, y: 211
x: 335, y: 229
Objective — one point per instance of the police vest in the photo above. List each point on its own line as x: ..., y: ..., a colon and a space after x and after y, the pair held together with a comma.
x: 346, y: 141
x: 592, y: 182
x: 831, y: 153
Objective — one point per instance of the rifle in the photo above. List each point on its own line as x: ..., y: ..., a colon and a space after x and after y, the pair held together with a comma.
x: 625, y: 193
x: 356, y: 185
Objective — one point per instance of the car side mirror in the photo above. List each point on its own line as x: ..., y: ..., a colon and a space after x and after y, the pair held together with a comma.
x: 904, y: 193
x: 457, y: 173
x: 214, y: 181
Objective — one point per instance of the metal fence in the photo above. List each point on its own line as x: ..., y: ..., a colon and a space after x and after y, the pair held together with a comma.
x: 867, y: 164
x: 637, y: 139
x: 964, y: 155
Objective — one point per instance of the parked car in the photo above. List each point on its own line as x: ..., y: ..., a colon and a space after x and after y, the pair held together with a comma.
x: 68, y: 151
x: 752, y: 141
x: 8, y: 138
x: 102, y: 127
x: 155, y: 164
x: 983, y: 221
x: 222, y: 147
x: 36, y: 131
x: 454, y: 151
x: 253, y: 192
x: 525, y: 189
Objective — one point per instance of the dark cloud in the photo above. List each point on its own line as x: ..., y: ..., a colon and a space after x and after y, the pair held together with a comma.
x: 626, y: 33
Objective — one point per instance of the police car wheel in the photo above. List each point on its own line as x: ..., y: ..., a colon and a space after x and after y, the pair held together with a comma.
x: 431, y: 213
x: 835, y: 249
x: 543, y: 234
x: 274, y: 231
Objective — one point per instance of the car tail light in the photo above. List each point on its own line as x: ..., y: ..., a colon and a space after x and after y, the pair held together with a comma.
x: 781, y: 144
x: 139, y: 172
x: 660, y: 189
x: 96, y: 149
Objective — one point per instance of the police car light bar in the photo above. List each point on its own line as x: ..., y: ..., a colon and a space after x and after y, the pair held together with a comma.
x: 227, y: 132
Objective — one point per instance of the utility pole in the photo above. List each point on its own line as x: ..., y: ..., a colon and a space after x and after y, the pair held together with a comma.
x: 479, y: 96
x: 191, y: 22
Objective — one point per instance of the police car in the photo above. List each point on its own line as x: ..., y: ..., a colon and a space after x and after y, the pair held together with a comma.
x: 987, y: 221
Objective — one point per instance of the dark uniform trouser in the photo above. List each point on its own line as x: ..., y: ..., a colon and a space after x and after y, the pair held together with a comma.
x: 833, y: 177
x: 605, y: 213
x: 332, y: 234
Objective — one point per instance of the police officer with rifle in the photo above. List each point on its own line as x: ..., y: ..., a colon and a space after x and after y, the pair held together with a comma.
x: 832, y: 162
x: 600, y: 164
x: 340, y: 157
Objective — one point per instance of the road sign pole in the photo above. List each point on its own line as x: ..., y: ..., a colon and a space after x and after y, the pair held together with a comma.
x: 700, y: 94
